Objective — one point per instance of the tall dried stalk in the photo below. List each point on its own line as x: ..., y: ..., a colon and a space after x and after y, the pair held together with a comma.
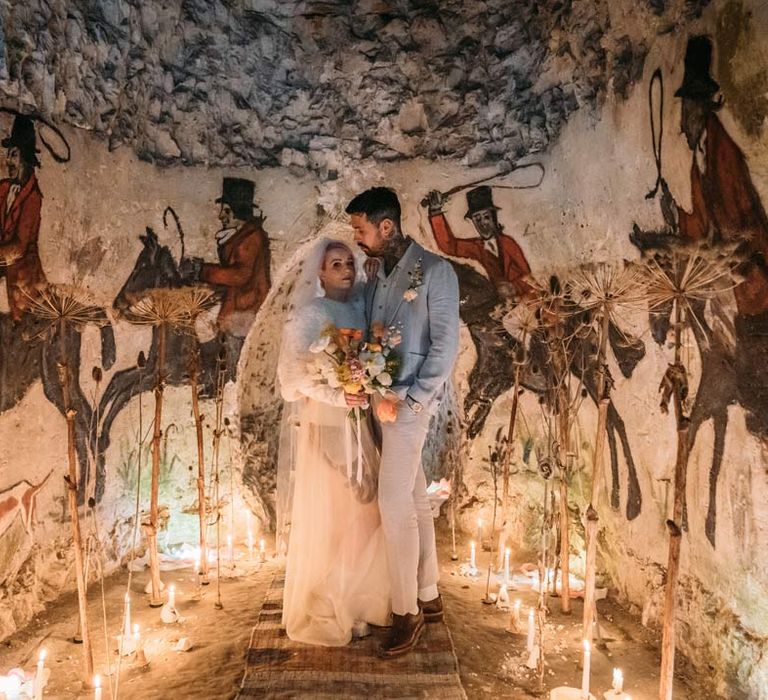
x: 203, y: 534
x: 63, y: 307
x: 72, y: 485
x: 163, y: 309
x: 151, y: 527
x: 217, y: 432
x: 681, y: 277
x: 602, y: 290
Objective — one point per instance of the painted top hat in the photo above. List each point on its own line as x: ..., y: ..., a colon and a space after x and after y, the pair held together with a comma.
x: 698, y: 84
x: 238, y: 193
x: 24, y: 138
x: 478, y: 199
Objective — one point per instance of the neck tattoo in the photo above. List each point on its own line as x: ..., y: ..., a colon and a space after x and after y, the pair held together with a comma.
x: 394, y: 251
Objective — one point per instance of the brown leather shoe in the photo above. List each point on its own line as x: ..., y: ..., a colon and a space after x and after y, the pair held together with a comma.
x: 403, y: 635
x: 432, y: 609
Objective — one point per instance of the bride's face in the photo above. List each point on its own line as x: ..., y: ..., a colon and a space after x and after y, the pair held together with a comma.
x: 338, y: 270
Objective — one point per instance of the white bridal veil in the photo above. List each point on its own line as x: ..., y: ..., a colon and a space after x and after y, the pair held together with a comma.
x: 326, y: 502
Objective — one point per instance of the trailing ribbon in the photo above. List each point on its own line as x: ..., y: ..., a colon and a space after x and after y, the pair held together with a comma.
x: 358, y: 418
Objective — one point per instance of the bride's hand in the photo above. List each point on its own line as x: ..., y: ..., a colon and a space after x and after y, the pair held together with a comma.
x: 371, y: 267
x: 356, y: 400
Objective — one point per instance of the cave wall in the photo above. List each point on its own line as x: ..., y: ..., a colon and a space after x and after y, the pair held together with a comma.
x: 314, y: 101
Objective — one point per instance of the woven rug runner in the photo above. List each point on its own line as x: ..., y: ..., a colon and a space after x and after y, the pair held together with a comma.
x: 277, y: 667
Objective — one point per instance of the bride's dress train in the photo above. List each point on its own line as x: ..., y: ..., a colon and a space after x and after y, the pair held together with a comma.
x: 336, y: 570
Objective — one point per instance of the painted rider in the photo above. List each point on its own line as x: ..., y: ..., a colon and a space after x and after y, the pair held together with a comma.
x: 500, y: 255
x: 243, y: 270
x: 20, y: 204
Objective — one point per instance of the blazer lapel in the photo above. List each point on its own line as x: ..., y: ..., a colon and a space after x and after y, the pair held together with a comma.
x: 403, y: 281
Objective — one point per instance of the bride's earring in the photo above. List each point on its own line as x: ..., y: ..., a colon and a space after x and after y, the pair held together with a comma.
x: 319, y: 289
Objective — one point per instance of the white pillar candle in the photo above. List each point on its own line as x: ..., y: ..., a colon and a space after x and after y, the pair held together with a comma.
x: 618, y: 680
x: 516, y: 611
x: 172, y: 596
x: 97, y: 688
x: 136, y: 636
x: 531, y: 631
x: 585, y: 672
x: 506, y: 565
x: 472, y: 559
x: 40, y: 675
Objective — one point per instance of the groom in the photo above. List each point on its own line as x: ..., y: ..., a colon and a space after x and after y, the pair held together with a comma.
x: 417, y: 292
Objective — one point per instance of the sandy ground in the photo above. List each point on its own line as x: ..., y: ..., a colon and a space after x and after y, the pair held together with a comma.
x: 491, y: 659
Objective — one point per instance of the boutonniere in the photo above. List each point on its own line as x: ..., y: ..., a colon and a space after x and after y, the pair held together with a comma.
x: 417, y: 279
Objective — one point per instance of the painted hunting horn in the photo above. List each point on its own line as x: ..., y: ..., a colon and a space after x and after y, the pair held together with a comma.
x: 656, y: 142
x: 459, y: 188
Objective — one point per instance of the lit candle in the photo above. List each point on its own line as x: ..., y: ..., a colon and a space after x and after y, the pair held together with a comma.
x: 136, y: 635
x: 40, y: 675
x: 516, y: 611
x: 480, y: 531
x: 230, y: 550
x: 618, y: 680
x: 531, y: 631
x: 262, y: 550
x: 250, y: 543
x: 472, y: 562
x: 585, y: 672
x: 97, y: 688
x: 172, y: 596
x: 506, y: 565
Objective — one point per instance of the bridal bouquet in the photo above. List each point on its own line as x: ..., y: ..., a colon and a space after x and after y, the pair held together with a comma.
x: 344, y: 360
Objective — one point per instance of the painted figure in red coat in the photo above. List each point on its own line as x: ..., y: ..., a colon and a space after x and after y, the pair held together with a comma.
x: 20, y: 204
x: 726, y: 207
x: 243, y: 271
x: 500, y: 255
x: 725, y: 203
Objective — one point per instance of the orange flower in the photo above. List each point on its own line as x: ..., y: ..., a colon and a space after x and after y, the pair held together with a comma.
x: 386, y: 410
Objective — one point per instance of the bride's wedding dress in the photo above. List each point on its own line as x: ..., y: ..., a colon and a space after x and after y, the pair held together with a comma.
x: 336, y: 571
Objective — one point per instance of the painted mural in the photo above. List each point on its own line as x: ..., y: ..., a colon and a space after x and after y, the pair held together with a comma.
x: 32, y: 348
x: 506, y: 280
x: 726, y: 208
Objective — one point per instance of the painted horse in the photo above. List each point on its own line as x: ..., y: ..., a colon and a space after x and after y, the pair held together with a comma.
x: 31, y: 351
x: 727, y: 371
x: 493, y: 373
x: 155, y: 268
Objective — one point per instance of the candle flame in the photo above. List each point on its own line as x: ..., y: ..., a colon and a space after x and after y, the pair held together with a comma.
x: 136, y: 630
x: 127, y: 598
x: 507, y: 551
x: 517, y: 604
x: 43, y: 654
x: 587, y: 646
x: 97, y: 681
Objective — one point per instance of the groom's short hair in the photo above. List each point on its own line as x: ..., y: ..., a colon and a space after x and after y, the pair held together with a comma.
x: 377, y: 203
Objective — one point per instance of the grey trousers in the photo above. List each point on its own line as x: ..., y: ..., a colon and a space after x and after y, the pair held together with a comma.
x: 406, y: 518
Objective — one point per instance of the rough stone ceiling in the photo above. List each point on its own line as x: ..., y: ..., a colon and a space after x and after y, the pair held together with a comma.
x: 311, y: 84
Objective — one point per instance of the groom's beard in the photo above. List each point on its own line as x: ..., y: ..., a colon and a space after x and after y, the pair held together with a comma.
x: 367, y: 250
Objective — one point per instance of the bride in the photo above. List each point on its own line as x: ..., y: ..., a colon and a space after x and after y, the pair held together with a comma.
x: 336, y: 576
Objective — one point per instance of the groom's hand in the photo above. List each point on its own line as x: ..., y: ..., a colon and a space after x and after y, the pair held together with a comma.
x: 356, y: 400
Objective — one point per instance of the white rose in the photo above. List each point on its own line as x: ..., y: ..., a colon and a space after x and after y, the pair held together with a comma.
x: 385, y: 378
